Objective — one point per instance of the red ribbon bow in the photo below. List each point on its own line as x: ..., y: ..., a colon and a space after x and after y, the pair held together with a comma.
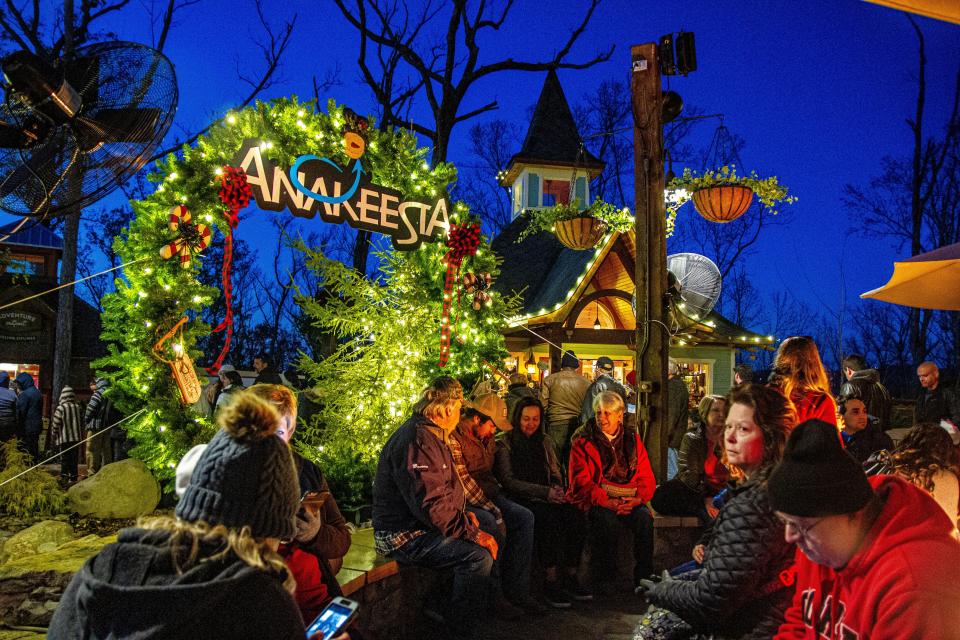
x: 462, y: 241
x: 235, y: 194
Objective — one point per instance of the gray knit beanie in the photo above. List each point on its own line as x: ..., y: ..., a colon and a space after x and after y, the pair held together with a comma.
x: 246, y: 476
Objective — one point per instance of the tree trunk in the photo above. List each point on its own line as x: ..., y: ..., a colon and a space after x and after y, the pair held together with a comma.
x: 63, y: 346
x: 361, y: 251
x: 917, y: 336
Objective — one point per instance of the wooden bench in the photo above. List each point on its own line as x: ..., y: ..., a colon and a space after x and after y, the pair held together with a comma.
x: 391, y: 595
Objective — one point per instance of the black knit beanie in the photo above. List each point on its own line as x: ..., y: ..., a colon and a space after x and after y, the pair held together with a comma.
x: 569, y: 360
x: 816, y: 476
x: 246, y: 476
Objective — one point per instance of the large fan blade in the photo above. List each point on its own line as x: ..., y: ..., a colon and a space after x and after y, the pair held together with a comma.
x: 33, y: 167
x: 117, y: 125
x: 83, y: 74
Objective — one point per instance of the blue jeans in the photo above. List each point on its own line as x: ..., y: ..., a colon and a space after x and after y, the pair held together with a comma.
x: 516, y: 551
x: 471, y: 566
x: 673, y: 467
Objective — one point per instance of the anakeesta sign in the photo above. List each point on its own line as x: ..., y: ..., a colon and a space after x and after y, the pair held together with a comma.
x: 315, y: 185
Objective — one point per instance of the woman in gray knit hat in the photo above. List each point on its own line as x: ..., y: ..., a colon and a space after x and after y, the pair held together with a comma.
x: 213, y: 570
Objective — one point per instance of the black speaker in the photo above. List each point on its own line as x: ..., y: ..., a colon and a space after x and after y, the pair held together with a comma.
x: 686, y: 52
x: 671, y: 107
x: 668, y: 65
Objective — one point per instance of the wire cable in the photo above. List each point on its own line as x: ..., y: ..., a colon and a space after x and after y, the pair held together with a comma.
x: 59, y: 453
x: 70, y: 284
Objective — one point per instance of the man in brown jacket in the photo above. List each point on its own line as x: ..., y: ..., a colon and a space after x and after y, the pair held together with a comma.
x: 472, y: 446
x: 562, y: 395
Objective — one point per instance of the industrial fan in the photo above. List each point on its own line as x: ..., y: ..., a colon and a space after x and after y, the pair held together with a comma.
x: 693, y: 287
x: 73, y: 131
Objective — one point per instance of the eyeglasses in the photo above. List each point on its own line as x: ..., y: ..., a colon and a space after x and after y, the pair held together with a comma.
x: 803, y: 531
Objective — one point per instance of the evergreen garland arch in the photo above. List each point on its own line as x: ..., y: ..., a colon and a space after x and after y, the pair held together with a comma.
x: 155, y: 293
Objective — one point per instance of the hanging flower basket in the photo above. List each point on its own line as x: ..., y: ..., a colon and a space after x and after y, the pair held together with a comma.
x: 577, y: 228
x: 722, y: 195
x: 723, y: 203
x: 580, y: 233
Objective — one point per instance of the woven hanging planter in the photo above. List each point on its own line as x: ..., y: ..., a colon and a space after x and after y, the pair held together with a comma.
x: 580, y: 233
x: 723, y: 203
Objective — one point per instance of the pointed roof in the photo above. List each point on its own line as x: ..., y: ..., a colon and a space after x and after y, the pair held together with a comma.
x: 31, y: 235
x: 553, y: 137
x: 553, y: 280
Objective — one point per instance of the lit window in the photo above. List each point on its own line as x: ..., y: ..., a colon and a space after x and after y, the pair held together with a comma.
x: 556, y: 192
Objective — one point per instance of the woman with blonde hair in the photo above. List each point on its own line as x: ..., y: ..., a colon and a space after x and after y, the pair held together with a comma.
x: 799, y: 374
x: 196, y: 575
x: 928, y: 458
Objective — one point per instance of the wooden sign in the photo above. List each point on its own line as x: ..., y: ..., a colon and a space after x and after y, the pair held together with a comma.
x: 181, y: 367
x: 313, y: 185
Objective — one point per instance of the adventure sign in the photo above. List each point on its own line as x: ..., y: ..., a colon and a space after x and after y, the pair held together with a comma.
x: 342, y: 194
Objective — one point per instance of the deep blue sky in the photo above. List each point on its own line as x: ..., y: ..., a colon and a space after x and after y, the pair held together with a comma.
x: 819, y: 89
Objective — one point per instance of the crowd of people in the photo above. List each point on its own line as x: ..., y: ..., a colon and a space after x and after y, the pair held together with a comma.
x: 761, y: 468
x: 814, y: 524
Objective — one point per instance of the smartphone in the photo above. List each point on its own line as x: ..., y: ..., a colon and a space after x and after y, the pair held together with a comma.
x: 334, y: 618
x: 314, y: 499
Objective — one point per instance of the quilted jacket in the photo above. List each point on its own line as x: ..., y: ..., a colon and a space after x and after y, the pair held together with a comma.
x: 741, y: 591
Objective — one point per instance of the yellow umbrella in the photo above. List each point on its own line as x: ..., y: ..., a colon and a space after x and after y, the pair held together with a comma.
x: 929, y: 281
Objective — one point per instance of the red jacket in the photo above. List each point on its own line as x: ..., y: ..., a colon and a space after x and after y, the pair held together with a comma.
x: 900, y: 584
x: 814, y: 404
x: 586, y: 474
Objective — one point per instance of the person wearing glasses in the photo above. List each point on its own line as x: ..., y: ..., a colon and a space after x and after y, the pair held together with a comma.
x: 743, y: 587
x: 879, y: 556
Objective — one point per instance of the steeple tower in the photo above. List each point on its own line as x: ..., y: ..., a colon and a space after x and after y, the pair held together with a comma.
x: 553, y: 157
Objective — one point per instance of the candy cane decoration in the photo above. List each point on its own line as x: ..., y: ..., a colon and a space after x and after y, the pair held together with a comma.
x: 477, y: 284
x: 193, y: 238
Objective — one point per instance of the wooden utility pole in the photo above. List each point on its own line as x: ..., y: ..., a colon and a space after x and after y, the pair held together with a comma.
x: 653, y: 343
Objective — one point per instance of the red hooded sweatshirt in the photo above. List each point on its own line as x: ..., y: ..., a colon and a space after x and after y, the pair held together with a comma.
x: 900, y: 584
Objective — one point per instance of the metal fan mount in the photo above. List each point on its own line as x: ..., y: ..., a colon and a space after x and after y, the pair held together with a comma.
x: 74, y: 130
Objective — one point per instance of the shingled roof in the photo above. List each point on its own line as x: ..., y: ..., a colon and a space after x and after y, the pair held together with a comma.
x: 544, y: 272
x: 553, y: 137
x: 540, y: 269
x: 31, y: 235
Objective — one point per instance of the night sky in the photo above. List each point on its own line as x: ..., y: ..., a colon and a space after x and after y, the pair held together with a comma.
x: 819, y: 90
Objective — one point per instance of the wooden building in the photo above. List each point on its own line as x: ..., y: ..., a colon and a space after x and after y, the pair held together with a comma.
x: 582, y: 300
x: 28, y: 329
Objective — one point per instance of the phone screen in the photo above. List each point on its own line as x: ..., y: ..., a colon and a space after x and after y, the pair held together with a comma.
x: 631, y: 408
x: 330, y: 620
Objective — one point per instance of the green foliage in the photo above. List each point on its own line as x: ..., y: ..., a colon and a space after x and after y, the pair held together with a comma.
x: 388, y: 334
x: 616, y: 218
x: 681, y: 189
x: 34, y: 494
x: 349, y: 475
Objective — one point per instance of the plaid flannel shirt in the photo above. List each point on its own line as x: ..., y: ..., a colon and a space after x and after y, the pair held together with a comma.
x: 386, y: 542
x: 474, y: 494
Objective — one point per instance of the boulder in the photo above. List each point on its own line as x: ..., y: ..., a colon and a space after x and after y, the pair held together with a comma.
x: 124, y: 489
x: 42, y: 537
